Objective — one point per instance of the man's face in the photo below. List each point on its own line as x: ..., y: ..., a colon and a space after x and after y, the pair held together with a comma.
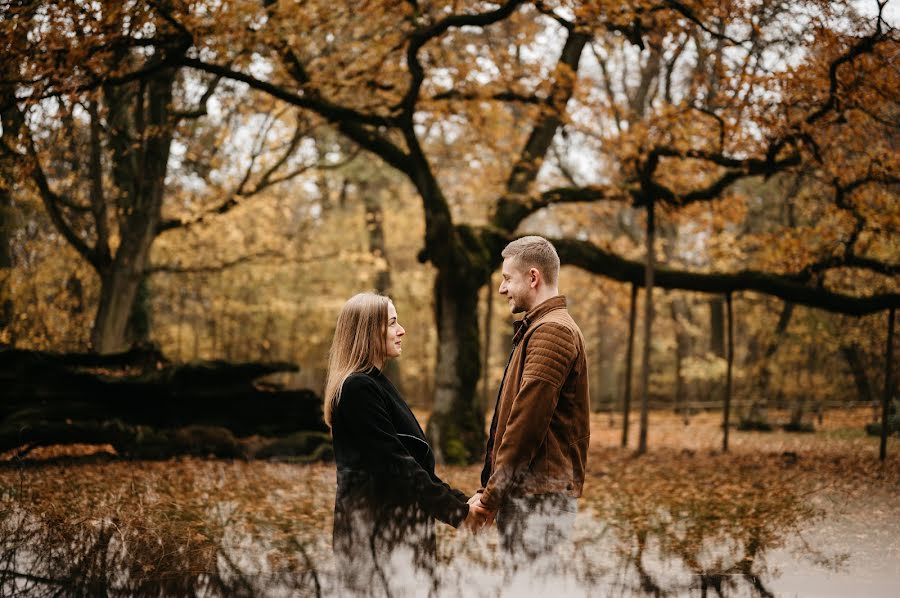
x: 516, y: 286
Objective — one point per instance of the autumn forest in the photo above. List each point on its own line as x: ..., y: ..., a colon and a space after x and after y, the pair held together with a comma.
x: 191, y: 189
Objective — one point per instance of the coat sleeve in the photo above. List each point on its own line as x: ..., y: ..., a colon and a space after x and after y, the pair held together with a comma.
x: 365, y: 417
x: 549, y: 357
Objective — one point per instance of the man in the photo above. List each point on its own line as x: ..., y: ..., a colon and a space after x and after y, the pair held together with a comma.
x: 537, y: 449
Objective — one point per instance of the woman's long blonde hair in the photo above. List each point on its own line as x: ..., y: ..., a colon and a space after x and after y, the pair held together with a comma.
x: 358, y: 345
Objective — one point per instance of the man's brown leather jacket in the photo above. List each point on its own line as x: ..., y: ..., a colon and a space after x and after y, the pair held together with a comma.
x: 541, y: 426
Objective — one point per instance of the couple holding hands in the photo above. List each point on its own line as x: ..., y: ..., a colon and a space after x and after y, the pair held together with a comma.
x: 388, y: 495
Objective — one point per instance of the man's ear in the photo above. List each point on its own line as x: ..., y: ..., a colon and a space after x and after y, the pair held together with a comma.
x: 535, y: 276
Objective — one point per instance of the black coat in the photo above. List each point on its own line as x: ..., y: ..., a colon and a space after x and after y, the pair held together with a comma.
x: 388, y: 495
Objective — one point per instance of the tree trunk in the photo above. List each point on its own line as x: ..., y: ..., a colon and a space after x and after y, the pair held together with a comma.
x: 888, y: 387
x: 139, y: 175
x: 374, y: 216
x: 757, y: 411
x: 629, y: 354
x: 863, y: 387
x: 118, y: 294
x: 717, y: 326
x: 730, y: 357
x: 681, y: 315
x: 456, y: 427
x: 604, y: 385
x: 648, y: 326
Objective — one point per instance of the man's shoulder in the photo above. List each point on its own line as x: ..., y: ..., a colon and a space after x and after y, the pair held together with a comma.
x: 553, y: 330
x: 558, y: 318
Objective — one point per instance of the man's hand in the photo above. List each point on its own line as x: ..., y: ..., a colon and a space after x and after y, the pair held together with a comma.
x: 479, y: 516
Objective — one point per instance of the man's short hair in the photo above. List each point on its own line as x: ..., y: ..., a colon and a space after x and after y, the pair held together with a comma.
x: 535, y: 252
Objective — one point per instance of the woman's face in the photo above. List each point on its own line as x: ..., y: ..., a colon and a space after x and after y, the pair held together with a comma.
x: 395, y: 333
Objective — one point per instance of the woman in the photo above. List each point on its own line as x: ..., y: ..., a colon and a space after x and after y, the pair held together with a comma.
x: 388, y: 495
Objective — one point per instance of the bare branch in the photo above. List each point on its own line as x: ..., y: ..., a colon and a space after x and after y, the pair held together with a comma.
x: 202, y: 108
x: 688, y: 13
x: 513, y: 209
x: 422, y: 36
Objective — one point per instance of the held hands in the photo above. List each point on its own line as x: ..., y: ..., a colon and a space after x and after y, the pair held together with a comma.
x: 479, y: 516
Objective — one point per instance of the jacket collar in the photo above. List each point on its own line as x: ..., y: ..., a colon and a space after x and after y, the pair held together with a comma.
x: 535, y: 313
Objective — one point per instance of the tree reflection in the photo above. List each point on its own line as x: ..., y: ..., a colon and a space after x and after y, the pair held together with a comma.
x: 38, y: 557
x: 195, y: 531
x: 698, y: 540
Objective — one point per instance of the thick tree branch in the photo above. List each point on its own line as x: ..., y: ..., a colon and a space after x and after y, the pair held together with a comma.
x: 500, y: 96
x: 787, y: 287
x: 331, y: 112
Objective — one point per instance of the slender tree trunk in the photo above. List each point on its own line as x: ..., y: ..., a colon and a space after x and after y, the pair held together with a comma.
x: 181, y: 302
x: 605, y: 383
x: 195, y: 353
x: 629, y: 353
x: 374, y: 216
x: 681, y: 315
x: 680, y: 407
x: 717, y: 326
x: 730, y: 357
x: 757, y: 411
x: 648, y: 326
x: 888, y: 387
x: 864, y: 390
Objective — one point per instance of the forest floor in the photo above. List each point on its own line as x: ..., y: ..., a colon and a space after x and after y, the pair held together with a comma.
x: 780, y: 514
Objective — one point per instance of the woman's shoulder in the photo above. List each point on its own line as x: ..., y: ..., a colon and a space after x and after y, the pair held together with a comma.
x: 359, y: 383
x: 359, y: 380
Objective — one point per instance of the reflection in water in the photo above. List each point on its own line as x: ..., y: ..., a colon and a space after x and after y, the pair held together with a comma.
x: 96, y: 559
x: 179, y: 535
